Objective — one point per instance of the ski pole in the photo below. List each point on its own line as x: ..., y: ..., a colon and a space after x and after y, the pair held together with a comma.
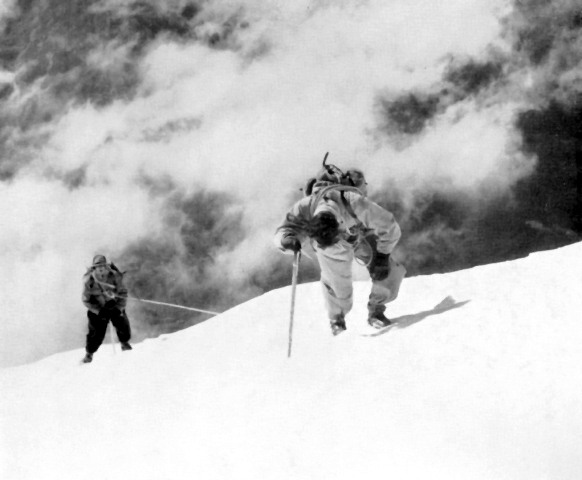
x: 296, y: 259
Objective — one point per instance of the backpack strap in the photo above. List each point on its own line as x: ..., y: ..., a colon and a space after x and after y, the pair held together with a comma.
x: 360, y: 238
x: 348, y: 206
x: 316, y: 198
x: 104, y: 287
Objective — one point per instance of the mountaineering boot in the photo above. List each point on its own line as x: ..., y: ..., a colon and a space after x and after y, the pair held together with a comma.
x: 338, y: 324
x: 88, y: 358
x: 377, y: 319
x: 126, y: 346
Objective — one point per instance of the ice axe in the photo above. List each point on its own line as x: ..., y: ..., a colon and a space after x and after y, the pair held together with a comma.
x: 296, y: 259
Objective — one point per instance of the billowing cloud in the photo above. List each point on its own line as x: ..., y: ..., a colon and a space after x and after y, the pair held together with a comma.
x: 153, y: 131
x: 7, y: 9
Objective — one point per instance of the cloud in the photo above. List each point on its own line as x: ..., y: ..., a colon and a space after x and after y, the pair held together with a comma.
x: 547, y: 38
x: 240, y: 98
x: 466, y: 147
x: 7, y: 9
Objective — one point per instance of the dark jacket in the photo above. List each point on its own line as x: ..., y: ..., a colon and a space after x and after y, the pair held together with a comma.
x: 97, y: 292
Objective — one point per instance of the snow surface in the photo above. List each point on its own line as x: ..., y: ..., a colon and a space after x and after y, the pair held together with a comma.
x: 485, y: 386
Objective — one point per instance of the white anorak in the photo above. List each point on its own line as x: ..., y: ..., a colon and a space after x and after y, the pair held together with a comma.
x: 358, y: 217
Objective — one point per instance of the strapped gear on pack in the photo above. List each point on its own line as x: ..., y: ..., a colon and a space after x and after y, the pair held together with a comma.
x: 331, y: 178
x: 333, y: 175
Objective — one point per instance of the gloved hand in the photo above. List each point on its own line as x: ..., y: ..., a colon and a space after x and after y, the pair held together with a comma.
x: 380, y: 266
x: 108, y: 307
x: 291, y: 243
x: 96, y: 304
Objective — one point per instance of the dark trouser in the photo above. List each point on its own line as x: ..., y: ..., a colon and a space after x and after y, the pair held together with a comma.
x: 98, y: 328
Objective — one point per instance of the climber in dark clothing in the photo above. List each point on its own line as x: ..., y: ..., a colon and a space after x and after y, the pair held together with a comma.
x: 105, y: 297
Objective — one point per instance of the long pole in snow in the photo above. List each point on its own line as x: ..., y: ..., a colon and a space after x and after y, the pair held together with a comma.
x: 293, y: 289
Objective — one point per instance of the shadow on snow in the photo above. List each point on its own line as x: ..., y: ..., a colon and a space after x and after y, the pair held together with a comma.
x: 449, y: 303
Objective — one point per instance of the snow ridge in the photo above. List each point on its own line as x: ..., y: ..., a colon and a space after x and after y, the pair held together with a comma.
x: 479, y: 380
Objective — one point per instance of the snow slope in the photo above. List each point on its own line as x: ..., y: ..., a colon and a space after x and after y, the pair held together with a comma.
x: 486, y: 386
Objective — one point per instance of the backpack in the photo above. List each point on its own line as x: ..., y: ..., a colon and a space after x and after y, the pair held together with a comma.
x: 333, y: 175
x: 335, y: 179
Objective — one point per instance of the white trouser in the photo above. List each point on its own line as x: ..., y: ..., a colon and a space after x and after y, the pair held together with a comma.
x: 336, y: 278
